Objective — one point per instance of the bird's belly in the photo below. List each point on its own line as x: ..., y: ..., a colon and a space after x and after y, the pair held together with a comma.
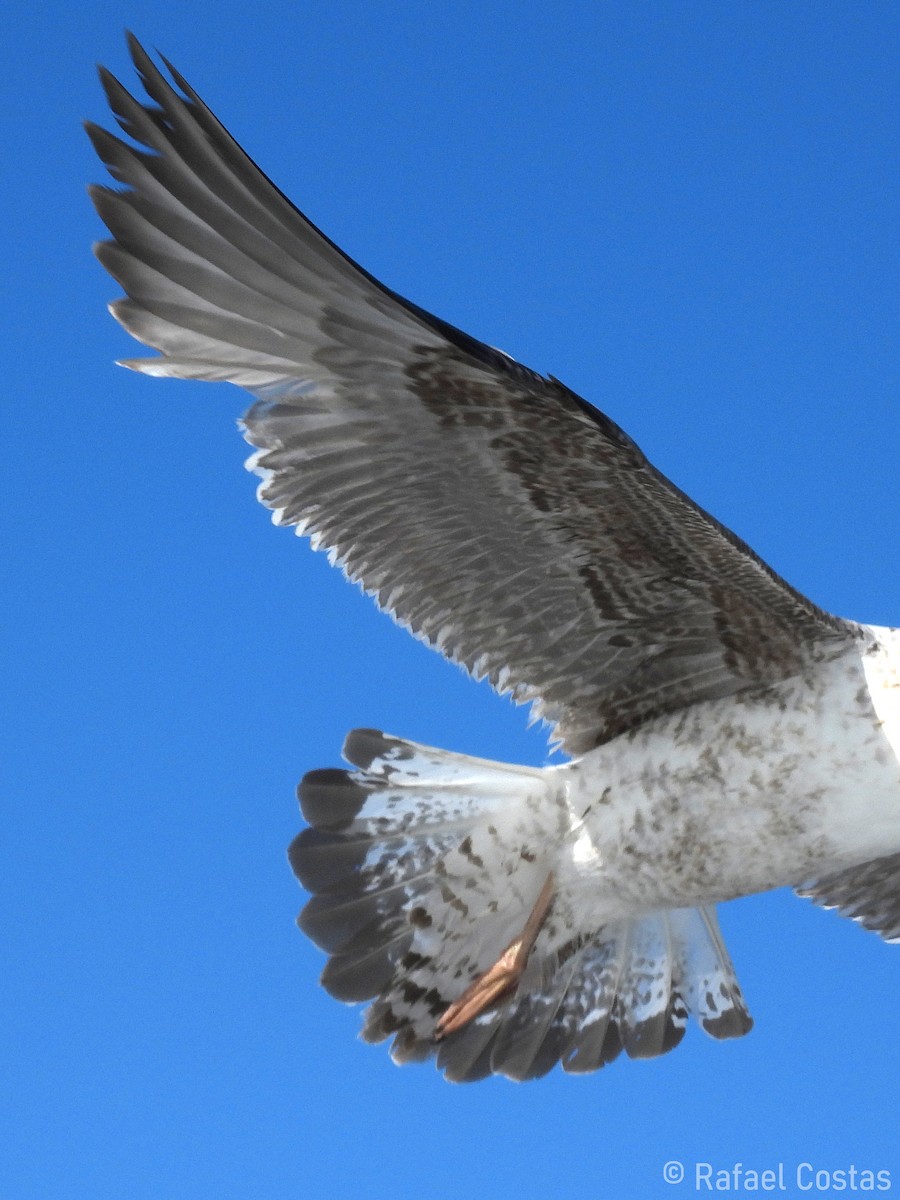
x: 730, y: 798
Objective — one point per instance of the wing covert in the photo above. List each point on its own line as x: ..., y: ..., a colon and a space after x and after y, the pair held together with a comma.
x: 492, y: 511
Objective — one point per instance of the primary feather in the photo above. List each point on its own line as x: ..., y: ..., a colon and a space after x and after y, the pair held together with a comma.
x: 726, y: 726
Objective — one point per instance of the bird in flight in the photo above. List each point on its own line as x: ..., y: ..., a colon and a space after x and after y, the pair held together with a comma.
x: 725, y: 735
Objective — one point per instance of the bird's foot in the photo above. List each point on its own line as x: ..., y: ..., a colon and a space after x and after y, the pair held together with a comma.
x: 501, y: 978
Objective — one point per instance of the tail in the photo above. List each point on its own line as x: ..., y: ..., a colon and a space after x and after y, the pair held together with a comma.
x: 424, y: 864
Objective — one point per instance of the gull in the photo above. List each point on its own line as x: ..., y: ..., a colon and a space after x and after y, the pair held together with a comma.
x: 724, y: 734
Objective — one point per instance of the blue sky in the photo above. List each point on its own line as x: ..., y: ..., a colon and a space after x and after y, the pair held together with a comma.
x: 686, y: 211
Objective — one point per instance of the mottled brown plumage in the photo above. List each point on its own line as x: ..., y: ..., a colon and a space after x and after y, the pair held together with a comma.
x: 727, y: 725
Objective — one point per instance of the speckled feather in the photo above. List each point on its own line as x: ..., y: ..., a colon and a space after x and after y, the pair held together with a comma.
x: 731, y: 736
x: 869, y: 893
x: 492, y: 511
x: 425, y: 863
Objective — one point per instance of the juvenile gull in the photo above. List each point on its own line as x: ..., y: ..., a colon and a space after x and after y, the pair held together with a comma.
x: 725, y: 734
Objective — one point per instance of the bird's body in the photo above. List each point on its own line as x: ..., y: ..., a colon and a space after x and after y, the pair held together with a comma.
x: 726, y: 735
x: 801, y: 780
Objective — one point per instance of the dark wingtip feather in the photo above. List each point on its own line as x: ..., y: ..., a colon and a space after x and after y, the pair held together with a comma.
x: 108, y: 81
x: 100, y: 139
x: 97, y: 249
x: 180, y: 80
x: 127, y: 110
x: 99, y: 194
x: 153, y: 78
x: 115, y: 154
x: 139, y: 55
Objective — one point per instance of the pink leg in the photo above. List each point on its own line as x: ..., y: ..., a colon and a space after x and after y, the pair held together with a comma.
x: 503, y: 976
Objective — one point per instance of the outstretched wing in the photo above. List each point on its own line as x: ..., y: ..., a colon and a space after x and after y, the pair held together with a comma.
x: 869, y: 893
x: 490, y: 510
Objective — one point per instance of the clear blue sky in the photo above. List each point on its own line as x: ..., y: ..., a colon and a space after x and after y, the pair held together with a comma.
x: 686, y: 211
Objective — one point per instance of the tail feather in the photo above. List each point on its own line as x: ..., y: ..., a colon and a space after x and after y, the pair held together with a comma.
x: 367, y: 963
x: 533, y: 1035
x: 466, y: 1056
x: 591, y: 1005
x: 712, y: 993
x: 424, y: 865
x: 380, y: 842
x: 652, y: 1012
